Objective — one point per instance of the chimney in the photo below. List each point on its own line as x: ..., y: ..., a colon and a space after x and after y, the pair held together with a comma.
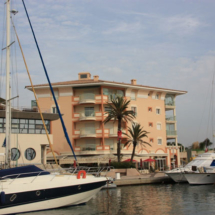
x: 133, y: 81
x: 96, y: 77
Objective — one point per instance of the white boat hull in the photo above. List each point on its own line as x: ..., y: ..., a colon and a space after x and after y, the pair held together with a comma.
x: 47, y: 192
x: 200, y: 178
x: 51, y: 204
x: 177, y: 176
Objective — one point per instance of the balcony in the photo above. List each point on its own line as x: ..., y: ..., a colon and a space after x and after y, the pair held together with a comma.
x: 170, y: 118
x: 88, y: 115
x: 92, y: 99
x: 114, y: 96
x: 92, y: 149
x: 87, y: 133
x: 171, y: 133
x: 115, y: 133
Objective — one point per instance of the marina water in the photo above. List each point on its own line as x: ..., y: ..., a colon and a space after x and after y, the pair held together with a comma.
x: 146, y: 199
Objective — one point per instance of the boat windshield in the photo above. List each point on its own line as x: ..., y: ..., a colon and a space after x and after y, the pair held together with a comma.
x: 199, y: 162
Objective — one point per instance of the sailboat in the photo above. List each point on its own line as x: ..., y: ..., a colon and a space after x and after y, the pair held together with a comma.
x: 29, y: 188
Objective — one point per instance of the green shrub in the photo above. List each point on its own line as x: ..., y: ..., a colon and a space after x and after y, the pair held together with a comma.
x: 122, y: 165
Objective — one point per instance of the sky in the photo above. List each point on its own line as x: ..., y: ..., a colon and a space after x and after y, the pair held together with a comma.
x: 161, y: 43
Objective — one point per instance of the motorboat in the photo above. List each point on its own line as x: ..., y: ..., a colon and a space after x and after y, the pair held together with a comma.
x: 204, y: 176
x: 203, y: 160
x: 32, y: 189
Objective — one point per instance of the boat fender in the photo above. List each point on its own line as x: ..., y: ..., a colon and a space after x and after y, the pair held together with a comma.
x: 83, y: 173
x: 2, y: 197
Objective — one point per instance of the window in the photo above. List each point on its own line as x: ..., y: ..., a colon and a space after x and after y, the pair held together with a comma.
x: 15, y: 154
x: 159, y: 141
x: 151, y: 140
x: 89, y: 111
x: 90, y: 145
x: 108, y: 109
x: 158, y: 111
x: 89, y: 128
x: 157, y: 96
x: 26, y: 126
x: 150, y: 109
x: 133, y: 95
x: 158, y: 126
x: 170, y: 127
x: 134, y: 109
x: 54, y: 110
x: 56, y: 94
x: 89, y: 94
x: 83, y: 76
x: 30, y: 154
x: 150, y: 124
x: 109, y: 142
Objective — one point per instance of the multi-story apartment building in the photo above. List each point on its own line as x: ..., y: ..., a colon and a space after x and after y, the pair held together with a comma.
x: 83, y: 103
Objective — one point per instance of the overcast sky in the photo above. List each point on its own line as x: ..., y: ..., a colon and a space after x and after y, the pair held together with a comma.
x: 160, y: 43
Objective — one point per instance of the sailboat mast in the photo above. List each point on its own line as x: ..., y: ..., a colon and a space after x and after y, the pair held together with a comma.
x: 8, y: 109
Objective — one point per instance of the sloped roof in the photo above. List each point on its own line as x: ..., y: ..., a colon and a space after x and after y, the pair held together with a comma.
x: 76, y: 83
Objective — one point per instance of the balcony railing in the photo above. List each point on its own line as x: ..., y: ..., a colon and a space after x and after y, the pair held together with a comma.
x: 171, y: 133
x: 115, y: 133
x: 88, y: 133
x: 170, y: 118
x: 86, y: 115
x: 92, y: 148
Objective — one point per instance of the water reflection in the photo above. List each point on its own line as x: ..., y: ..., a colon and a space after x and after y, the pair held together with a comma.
x: 146, y: 199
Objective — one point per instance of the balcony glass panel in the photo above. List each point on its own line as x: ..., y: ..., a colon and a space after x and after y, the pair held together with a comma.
x: 112, y: 92
x: 170, y: 118
x: 169, y: 100
x: 88, y: 147
x: 109, y: 142
x: 87, y: 96
x: 89, y: 129
x: 170, y: 127
x: 171, y: 133
x: 89, y: 111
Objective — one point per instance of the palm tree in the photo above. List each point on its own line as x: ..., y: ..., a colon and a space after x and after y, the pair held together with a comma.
x: 117, y: 110
x: 136, y: 135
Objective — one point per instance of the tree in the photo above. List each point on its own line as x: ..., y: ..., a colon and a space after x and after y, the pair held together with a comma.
x: 117, y: 110
x: 203, y: 145
x: 136, y: 134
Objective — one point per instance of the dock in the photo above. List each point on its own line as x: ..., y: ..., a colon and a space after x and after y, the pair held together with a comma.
x: 126, y: 177
x: 149, y: 178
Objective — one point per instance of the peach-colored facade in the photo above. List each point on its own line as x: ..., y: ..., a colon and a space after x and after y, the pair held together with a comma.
x: 83, y: 102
